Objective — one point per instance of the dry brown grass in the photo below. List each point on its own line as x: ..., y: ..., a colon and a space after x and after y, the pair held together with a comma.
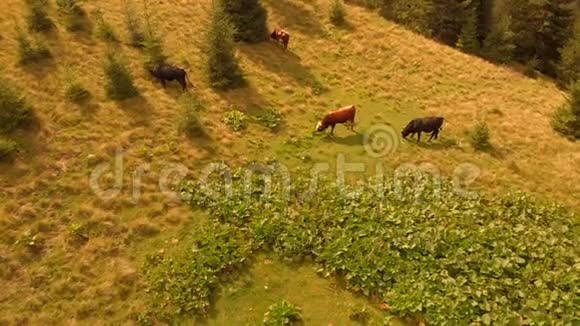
x: 394, y: 73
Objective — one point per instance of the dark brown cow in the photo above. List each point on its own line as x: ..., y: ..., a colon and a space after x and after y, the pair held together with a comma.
x: 281, y: 35
x: 343, y: 115
x: 428, y: 124
x: 165, y: 72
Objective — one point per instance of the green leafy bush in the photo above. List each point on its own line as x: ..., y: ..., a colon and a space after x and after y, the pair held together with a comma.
x: 479, y: 137
x: 184, y: 285
x: 7, y: 148
x: 281, y: 314
x: 104, y: 30
x: 29, y: 52
x: 222, y: 67
x: 36, y: 16
x: 337, y: 12
x: 412, y: 240
x: 189, y: 122
x: 119, y: 82
x: 235, y: 119
x: 14, y: 110
x: 269, y: 118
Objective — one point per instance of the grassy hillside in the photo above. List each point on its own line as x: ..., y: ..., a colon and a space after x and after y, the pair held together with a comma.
x: 392, y: 75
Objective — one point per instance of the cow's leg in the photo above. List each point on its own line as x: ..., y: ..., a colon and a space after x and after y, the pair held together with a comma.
x: 163, y: 82
x: 418, y: 137
x: 436, y: 133
x: 332, y: 129
x: 182, y: 82
x: 432, y: 135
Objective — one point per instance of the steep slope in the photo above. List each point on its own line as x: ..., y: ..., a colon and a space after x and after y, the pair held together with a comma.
x: 391, y: 73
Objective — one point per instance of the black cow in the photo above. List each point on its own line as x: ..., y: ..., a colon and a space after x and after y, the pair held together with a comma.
x: 165, y: 72
x: 428, y: 124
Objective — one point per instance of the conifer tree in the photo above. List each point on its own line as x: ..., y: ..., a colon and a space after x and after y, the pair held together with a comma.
x: 222, y: 66
x: 248, y: 18
x: 468, y: 38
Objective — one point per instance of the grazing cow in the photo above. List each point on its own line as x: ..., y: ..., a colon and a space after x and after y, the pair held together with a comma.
x: 165, y: 72
x: 343, y: 115
x: 428, y: 124
x: 281, y: 35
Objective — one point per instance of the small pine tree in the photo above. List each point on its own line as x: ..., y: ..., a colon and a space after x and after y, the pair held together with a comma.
x: 14, y: 109
x: 189, y: 123
x: 152, y: 44
x: 74, y: 90
x: 337, y: 12
x: 73, y: 14
x: 135, y: 35
x: 222, y: 66
x: 37, y: 17
x: 479, y: 137
x: 569, y: 68
x: 248, y: 18
x: 566, y: 119
x: 119, y: 84
x: 7, y: 148
x: 27, y: 52
x: 468, y: 38
x: 499, y: 44
x: 104, y: 30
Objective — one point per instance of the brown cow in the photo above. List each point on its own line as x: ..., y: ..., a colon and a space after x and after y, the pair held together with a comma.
x: 343, y: 115
x: 281, y: 35
x: 428, y: 124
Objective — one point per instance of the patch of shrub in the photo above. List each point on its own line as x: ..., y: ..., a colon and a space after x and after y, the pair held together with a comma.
x: 189, y: 122
x: 411, y: 240
x: 222, y: 66
x: 269, y: 118
x: 337, y: 12
x: 74, y: 90
x: 28, y: 52
x: 566, y: 120
x: 235, y: 119
x: 563, y: 120
x: 36, y: 16
x: 7, y: 148
x: 281, y: 314
x: 104, y: 30
x: 184, y: 285
x: 14, y: 110
x: 135, y: 34
x: 119, y: 82
x: 479, y: 137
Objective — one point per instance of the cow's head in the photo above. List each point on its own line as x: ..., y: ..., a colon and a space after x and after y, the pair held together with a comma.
x: 274, y: 35
x: 321, y: 126
x: 406, y: 131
